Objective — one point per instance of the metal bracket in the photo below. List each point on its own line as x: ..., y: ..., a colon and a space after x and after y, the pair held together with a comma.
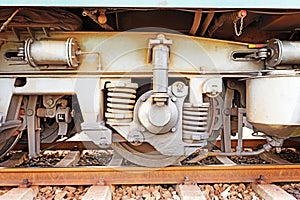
x: 250, y: 55
x: 100, y: 135
x: 240, y: 87
x: 241, y: 112
x: 32, y: 127
x: 226, y: 136
x: 9, y: 125
x: 153, y: 42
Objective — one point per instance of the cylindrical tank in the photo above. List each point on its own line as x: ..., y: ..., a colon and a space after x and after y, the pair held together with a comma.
x: 273, y: 104
x: 51, y: 52
x: 283, y: 53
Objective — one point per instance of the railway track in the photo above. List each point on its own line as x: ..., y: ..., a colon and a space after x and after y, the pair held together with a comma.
x: 142, y: 175
x: 102, y: 180
x: 178, y: 95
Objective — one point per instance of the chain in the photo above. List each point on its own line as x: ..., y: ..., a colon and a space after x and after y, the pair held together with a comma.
x: 238, y: 33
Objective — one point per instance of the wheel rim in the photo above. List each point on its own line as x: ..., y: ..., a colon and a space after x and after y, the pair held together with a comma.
x: 11, y: 138
x: 5, y: 147
x: 145, y: 155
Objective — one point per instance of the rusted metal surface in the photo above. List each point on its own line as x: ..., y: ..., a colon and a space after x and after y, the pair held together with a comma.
x: 140, y: 175
x: 196, y: 22
x: 280, y: 22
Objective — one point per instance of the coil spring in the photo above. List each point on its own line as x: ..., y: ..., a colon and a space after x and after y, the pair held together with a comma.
x: 120, y: 102
x: 195, y: 122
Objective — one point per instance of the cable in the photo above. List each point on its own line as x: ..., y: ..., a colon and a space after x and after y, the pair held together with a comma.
x: 9, y: 20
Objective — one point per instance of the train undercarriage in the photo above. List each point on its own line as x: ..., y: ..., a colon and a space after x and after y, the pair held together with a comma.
x: 155, y: 95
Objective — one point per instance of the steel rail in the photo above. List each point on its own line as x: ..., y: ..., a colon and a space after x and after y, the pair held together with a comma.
x: 141, y: 175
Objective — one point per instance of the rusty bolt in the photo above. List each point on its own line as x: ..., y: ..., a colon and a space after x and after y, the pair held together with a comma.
x: 25, y: 183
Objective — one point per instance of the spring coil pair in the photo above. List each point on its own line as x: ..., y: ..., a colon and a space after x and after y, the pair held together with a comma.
x: 120, y: 102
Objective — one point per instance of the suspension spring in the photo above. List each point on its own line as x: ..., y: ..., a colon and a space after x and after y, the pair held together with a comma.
x: 195, y: 123
x: 120, y: 102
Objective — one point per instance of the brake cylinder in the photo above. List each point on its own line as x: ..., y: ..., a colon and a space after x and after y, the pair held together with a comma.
x: 51, y: 52
x: 283, y: 53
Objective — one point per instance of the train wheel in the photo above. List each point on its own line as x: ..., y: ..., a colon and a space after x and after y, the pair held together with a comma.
x: 144, y: 155
x: 5, y: 147
x: 11, y: 136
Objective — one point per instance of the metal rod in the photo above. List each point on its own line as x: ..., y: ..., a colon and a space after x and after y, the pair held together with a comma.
x: 196, y: 23
x: 32, y: 129
x: 266, y: 147
x: 241, y: 112
x: 226, y: 136
x: 99, y: 68
x: 206, y: 23
x: 8, y: 20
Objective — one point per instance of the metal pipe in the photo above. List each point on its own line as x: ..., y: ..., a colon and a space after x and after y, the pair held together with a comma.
x: 203, y: 154
x: 196, y: 22
x: 241, y: 112
x: 99, y: 68
x: 9, y: 20
x: 219, y: 22
x: 266, y: 147
x: 206, y: 23
x: 283, y: 53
